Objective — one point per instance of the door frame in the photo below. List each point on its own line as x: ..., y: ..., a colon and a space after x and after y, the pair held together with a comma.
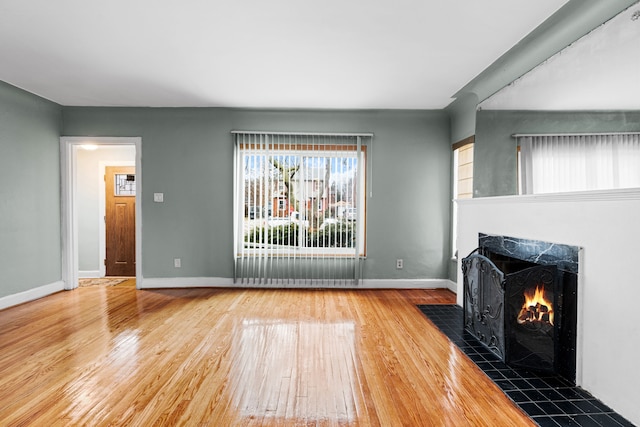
x: 68, y: 166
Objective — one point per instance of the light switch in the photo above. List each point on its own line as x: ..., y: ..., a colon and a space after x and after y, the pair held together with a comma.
x: 158, y: 197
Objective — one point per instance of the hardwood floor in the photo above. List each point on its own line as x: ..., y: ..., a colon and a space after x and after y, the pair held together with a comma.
x: 226, y: 357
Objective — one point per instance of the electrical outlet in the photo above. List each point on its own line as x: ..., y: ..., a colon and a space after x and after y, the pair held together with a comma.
x: 177, y: 262
x: 399, y: 264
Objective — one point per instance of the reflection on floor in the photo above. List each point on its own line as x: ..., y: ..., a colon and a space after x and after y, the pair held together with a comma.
x: 130, y: 282
x: 548, y: 400
x: 103, y: 281
x: 304, y: 368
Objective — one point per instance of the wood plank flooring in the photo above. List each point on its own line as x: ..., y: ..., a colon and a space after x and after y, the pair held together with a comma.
x: 239, y: 357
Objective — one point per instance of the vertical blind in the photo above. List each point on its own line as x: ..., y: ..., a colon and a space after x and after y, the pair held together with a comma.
x: 565, y: 163
x: 299, y: 208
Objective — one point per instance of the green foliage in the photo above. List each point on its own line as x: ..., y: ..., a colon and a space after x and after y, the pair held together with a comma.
x: 280, y: 235
x: 339, y: 235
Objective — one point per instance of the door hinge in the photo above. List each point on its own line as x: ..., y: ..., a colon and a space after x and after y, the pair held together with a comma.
x: 105, y: 261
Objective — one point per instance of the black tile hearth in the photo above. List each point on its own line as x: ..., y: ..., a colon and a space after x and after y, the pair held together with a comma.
x: 548, y: 400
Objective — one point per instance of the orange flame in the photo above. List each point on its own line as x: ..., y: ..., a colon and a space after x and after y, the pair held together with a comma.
x: 536, y: 308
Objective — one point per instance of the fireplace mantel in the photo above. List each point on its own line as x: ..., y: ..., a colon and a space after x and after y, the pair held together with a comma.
x: 595, y: 196
x: 605, y: 225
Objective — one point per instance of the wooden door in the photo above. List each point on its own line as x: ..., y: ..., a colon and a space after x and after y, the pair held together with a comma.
x: 120, y: 220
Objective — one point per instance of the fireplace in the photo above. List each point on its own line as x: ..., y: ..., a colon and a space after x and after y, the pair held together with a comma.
x: 520, y: 301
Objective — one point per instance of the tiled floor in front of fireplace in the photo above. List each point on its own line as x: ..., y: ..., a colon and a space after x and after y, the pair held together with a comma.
x: 548, y: 400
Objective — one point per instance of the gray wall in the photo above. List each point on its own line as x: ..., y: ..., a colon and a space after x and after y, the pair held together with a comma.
x: 29, y: 191
x: 188, y: 155
x: 495, y: 150
x: 462, y: 112
x: 88, y: 182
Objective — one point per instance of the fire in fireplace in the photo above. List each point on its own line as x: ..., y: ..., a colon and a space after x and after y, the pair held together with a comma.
x: 520, y: 302
x: 536, y: 308
x: 530, y: 332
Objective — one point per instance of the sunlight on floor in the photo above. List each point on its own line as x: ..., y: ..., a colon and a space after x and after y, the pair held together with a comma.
x: 298, y: 370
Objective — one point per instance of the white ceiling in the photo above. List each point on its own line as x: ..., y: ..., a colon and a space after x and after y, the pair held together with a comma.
x: 600, y: 71
x: 411, y: 54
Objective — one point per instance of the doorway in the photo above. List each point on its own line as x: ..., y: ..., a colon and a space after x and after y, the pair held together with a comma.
x: 119, y: 219
x: 76, y: 231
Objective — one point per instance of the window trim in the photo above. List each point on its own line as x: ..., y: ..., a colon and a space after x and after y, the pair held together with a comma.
x: 466, y: 141
x: 364, y: 142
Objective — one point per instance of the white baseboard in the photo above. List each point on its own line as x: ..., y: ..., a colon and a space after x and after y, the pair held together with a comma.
x: 31, y: 294
x: 90, y: 274
x: 407, y: 284
x: 185, y: 282
x: 224, y: 282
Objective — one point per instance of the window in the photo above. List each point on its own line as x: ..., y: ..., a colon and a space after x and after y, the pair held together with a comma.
x: 314, y: 187
x: 125, y: 184
x: 582, y: 162
x: 464, y: 169
x: 462, y: 182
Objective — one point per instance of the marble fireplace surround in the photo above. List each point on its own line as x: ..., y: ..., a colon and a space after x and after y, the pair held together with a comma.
x: 605, y: 226
x: 565, y: 257
x: 539, y: 253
